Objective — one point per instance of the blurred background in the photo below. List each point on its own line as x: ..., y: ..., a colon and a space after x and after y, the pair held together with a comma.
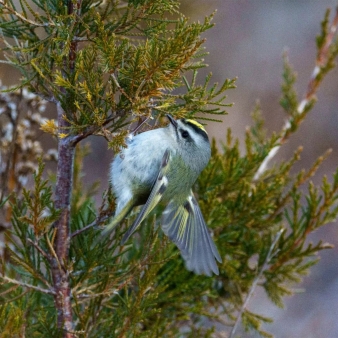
x: 248, y: 42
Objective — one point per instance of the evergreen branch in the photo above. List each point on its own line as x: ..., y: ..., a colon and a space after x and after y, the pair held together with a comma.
x: 23, y: 18
x: 10, y: 300
x: 28, y: 266
x: 102, y: 89
x: 313, y: 215
x: 108, y: 294
x: 255, y: 283
x: 323, y: 64
x: 50, y: 291
x: 90, y: 130
x: 302, y: 177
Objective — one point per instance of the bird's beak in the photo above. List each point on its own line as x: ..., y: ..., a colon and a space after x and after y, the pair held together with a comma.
x: 172, y: 120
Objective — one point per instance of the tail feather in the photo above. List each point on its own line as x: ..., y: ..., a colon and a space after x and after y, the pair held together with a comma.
x: 185, y: 226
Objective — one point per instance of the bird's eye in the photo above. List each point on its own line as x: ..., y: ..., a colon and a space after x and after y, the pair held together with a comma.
x: 185, y: 134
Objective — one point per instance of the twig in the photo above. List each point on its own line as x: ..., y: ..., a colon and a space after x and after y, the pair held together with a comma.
x: 7, y: 62
x: 313, y: 85
x: 53, y: 251
x: 98, y: 220
x: 9, y: 290
x: 119, y: 87
x: 90, y: 130
x: 83, y: 295
x: 140, y: 124
x: 255, y: 282
x: 29, y: 286
x: 37, y: 247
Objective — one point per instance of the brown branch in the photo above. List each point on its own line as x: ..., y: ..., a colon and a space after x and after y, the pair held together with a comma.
x: 93, y: 129
x: 62, y: 240
x: 64, y: 184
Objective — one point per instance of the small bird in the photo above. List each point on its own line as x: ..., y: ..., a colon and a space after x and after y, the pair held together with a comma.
x: 161, y: 165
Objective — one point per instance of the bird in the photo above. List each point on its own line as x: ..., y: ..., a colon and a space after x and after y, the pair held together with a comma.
x: 161, y: 166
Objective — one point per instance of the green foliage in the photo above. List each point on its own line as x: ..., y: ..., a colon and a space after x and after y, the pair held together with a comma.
x: 289, y: 100
x: 131, y: 59
x: 12, y: 319
x: 143, y: 288
x: 327, y: 51
x: 38, y: 204
x: 112, y: 64
x: 30, y: 252
x: 253, y: 321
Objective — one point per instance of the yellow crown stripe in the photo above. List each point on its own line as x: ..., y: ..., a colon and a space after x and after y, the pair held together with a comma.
x: 197, y: 124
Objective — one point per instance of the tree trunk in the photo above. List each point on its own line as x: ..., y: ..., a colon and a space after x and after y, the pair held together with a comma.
x: 66, y: 150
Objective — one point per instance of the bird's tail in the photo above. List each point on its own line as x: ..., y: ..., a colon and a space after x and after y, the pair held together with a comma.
x: 185, y: 226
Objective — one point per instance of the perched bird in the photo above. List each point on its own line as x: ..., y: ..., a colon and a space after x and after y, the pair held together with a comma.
x: 161, y: 165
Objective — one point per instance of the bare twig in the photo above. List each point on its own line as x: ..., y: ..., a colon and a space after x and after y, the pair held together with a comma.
x: 90, y: 130
x: 7, y: 62
x: 255, y: 282
x: 119, y: 87
x: 50, y: 291
x: 86, y: 296
x: 55, y: 257
x: 37, y: 247
x: 98, y: 220
x: 140, y: 123
x: 322, y: 59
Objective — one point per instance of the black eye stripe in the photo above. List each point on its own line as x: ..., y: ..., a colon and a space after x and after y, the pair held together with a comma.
x: 196, y: 129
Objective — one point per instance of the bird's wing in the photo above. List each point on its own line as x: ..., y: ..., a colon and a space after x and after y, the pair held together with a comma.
x: 155, y: 196
x: 185, y: 226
